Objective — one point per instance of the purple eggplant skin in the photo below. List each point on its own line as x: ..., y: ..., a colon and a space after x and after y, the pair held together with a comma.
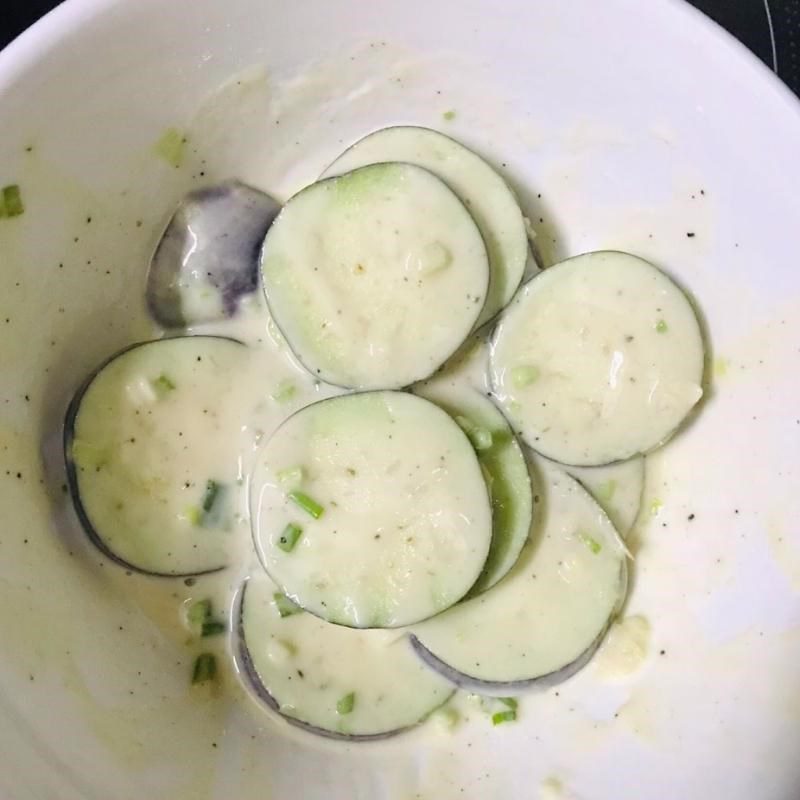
x: 506, y: 688
x: 216, y: 232
x: 253, y: 683
x: 72, y: 472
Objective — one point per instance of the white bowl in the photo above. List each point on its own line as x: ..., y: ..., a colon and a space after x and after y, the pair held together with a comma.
x: 621, y: 124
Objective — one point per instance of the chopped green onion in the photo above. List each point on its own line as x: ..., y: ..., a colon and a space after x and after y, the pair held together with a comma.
x: 308, y: 504
x: 163, y: 385
x: 194, y: 515
x: 212, y: 627
x: 591, y: 543
x: 199, y: 613
x: 205, y: 668
x: 288, y: 539
x: 481, y: 438
x: 504, y: 716
x: 524, y: 376
x: 12, y: 205
x: 291, y: 475
x: 284, y: 392
x: 449, y: 116
x: 662, y: 326
x: 172, y: 147
x: 655, y: 506
x: 510, y: 702
x: 285, y: 606
x: 199, y: 617
x: 210, y: 496
x: 346, y: 704
x: 213, y: 504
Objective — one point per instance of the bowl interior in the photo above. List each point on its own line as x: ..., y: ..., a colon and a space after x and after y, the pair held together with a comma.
x: 619, y: 125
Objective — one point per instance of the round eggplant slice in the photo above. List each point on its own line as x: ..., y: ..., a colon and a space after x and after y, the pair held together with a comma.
x: 617, y: 488
x: 370, y: 510
x: 207, y: 259
x: 327, y: 679
x: 598, y: 359
x: 151, y: 444
x: 488, y: 197
x: 375, y: 277
x: 505, y: 470
x: 543, y: 622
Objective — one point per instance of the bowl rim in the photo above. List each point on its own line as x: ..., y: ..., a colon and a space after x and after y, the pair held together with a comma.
x: 22, y: 52
x: 68, y: 16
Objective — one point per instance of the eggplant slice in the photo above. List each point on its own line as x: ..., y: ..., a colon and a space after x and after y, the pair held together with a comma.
x: 208, y: 258
x: 370, y: 510
x: 544, y: 621
x: 342, y: 683
x: 151, y: 449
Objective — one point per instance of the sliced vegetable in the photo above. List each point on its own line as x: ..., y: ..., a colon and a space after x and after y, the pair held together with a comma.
x: 331, y: 680
x: 489, y: 199
x: 407, y: 521
x: 171, y: 146
x: 200, y: 619
x: 617, y: 488
x: 590, y: 542
x: 609, y: 385
x: 205, y: 668
x: 211, y: 496
x: 163, y: 385
x: 346, y: 704
x: 356, y: 267
x: 198, y: 613
x: 480, y: 437
x: 544, y: 621
x: 212, y: 627
x: 308, y: 504
x: 11, y: 204
x: 498, y: 709
x: 505, y: 468
x: 288, y: 539
x: 138, y: 463
x: 284, y: 605
x: 207, y: 259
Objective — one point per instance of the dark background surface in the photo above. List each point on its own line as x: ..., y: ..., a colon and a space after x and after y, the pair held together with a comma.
x: 770, y: 28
